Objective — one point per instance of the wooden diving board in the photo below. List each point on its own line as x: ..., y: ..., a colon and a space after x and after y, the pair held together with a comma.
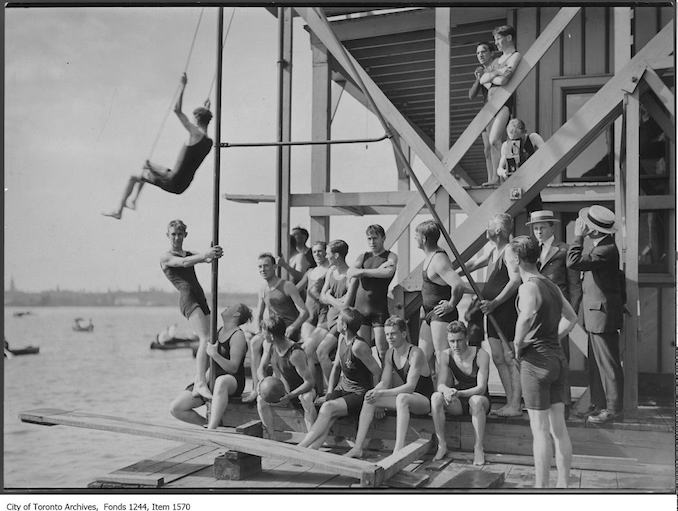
x: 369, y: 474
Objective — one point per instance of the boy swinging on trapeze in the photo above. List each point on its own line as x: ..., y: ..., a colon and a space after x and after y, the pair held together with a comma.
x: 192, y: 154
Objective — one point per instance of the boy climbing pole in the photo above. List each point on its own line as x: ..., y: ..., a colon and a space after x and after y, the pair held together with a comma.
x: 192, y: 154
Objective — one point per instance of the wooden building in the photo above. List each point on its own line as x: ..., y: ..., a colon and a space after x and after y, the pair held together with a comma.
x: 596, y: 82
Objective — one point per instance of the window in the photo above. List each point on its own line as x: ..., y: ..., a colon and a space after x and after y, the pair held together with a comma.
x: 596, y: 162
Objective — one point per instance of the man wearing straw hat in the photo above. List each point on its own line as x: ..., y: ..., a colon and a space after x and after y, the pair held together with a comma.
x: 552, y: 263
x: 603, y: 305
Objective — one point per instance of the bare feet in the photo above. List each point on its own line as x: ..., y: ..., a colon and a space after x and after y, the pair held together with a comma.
x: 131, y: 205
x: 478, y: 456
x: 354, y: 453
x: 508, y: 412
x: 113, y: 214
x: 250, y: 398
x: 201, y: 389
x: 440, y: 453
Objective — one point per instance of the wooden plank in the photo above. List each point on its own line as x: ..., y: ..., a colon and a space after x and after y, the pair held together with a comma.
x: 660, y: 89
x: 321, y: 94
x: 395, y: 119
x: 572, y: 46
x: 559, y: 150
x: 476, y: 479
x: 442, y: 102
x: 397, y: 461
x: 579, y: 461
x: 405, y: 479
x: 220, y: 438
x: 596, y: 43
x: 599, y: 480
x: 481, y: 120
x: 526, y: 95
x: 148, y: 481
x: 630, y: 334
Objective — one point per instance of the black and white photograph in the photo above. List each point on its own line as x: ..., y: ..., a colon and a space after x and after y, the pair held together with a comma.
x: 338, y: 248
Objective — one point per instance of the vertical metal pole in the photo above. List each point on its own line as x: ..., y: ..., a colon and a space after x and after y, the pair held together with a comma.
x: 215, y: 196
x: 279, y: 119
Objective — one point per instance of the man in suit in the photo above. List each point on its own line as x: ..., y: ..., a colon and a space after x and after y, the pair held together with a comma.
x: 552, y: 263
x: 603, y: 306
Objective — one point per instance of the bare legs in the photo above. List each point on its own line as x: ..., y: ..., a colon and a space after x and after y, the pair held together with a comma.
x: 547, y: 424
x: 200, y: 323
x: 367, y: 331
x: 510, y: 379
x: 315, y: 354
x: 478, y: 407
x: 487, y: 152
x: 255, y: 345
x: 330, y: 411
x: 404, y: 404
x: 432, y: 341
x: 224, y: 386
x: 497, y: 130
x: 139, y: 181
x: 325, y: 349
x: 183, y: 407
x: 266, y: 413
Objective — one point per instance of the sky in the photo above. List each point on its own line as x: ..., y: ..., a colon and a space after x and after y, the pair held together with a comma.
x: 86, y: 90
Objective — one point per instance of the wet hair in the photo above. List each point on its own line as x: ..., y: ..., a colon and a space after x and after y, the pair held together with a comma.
x: 375, y: 229
x: 396, y: 322
x: 526, y: 248
x: 177, y: 224
x: 430, y: 230
x: 274, y: 325
x: 517, y: 122
x: 339, y: 247
x: 505, y: 30
x: 301, y: 230
x: 352, y: 319
x: 202, y: 115
x: 242, y: 312
x: 321, y: 243
x: 457, y: 327
x: 501, y: 224
x: 267, y: 255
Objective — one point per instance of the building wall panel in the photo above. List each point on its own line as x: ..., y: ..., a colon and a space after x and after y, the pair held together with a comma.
x: 668, y: 331
x: 549, y: 66
x: 595, y: 43
x: 526, y: 27
x: 571, y: 53
x: 644, y: 26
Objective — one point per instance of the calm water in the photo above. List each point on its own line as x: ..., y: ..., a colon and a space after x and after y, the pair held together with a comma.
x: 109, y: 371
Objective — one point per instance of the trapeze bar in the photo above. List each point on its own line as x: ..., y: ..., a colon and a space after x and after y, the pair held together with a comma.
x: 306, y: 142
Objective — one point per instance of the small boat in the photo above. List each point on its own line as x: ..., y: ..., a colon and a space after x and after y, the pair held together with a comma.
x: 80, y: 326
x: 175, y: 343
x: 21, y: 314
x: 27, y: 350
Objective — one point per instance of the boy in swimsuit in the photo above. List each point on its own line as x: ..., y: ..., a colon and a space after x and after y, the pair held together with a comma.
x: 544, y: 317
x: 357, y: 371
x: 291, y: 366
x: 412, y: 396
x: 276, y: 297
x: 470, y: 368
x: 499, y: 293
x: 300, y: 258
x: 191, y: 156
x: 515, y: 151
x: 177, y: 265
x: 313, y: 283
x: 373, y: 272
x: 485, y: 55
x: 441, y: 290
x: 229, y: 356
x: 336, y: 296
x: 500, y: 71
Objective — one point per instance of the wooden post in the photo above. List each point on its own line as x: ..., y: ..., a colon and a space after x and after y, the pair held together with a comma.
x: 403, y: 269
x: 284, y: 129
x: 320, y: 130
x: 622, y: 54
x: 630, y: 335
x: 442, y: 102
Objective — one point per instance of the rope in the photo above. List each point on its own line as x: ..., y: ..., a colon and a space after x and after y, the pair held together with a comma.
x: 228, y: 29
x: 176, y: 92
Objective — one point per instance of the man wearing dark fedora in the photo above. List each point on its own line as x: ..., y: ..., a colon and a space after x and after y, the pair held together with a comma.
x: 552, y: 263
x: 603, y: 307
